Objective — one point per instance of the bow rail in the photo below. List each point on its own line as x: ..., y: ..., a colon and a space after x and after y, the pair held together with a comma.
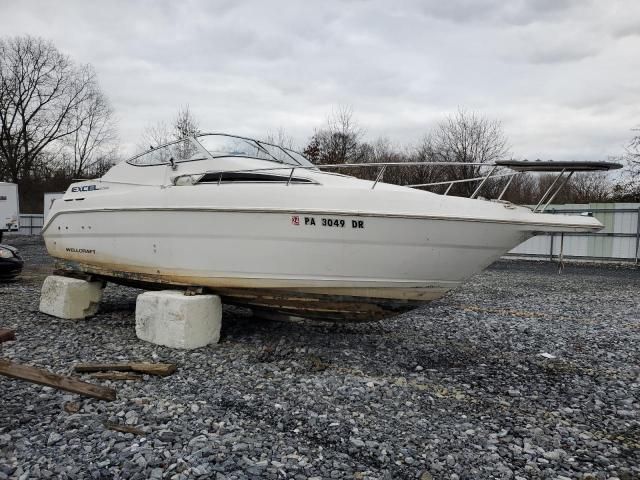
x: 518, y: 167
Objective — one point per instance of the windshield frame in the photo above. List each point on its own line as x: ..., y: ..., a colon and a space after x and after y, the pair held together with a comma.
x: 293, y: 158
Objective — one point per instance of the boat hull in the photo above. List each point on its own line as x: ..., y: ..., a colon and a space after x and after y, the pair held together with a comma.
x: 332, y: 304
x: 318, y: 265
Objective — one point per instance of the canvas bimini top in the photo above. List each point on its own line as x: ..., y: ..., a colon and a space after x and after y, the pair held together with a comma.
x: 554, y: 166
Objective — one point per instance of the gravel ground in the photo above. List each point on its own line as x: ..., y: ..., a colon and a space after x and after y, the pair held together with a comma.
x: 456, y: 390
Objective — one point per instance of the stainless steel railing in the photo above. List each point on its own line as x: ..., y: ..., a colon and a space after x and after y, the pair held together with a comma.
x: 549, y: 195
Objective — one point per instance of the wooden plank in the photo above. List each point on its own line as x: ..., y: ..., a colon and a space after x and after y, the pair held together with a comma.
x: 7, y: 335
x: 59, y: 382
x: 102, y: 367
x: 115, y: 376
x: 161, y: 369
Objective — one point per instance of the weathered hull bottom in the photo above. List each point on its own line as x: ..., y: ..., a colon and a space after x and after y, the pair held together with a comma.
x: 325, y: 303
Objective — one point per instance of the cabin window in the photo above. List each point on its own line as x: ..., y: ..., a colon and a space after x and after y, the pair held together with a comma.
x: 250, y: 177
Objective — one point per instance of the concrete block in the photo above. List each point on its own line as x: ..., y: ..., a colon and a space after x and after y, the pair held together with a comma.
x: 70, y: 298
x: 175, y: 320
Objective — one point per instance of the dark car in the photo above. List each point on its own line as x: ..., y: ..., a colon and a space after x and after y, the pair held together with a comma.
x: 11, y: 262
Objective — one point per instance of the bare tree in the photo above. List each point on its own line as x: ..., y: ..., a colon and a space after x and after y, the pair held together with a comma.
x: 425, y: 152
x: 522, y: 190
x: 633, y: 149
x: 590, y: 187
x: 312, y: 151
x: 41, y: 91
x: 339, y: 141
x: 383, y: 151
x: 184, y: 125
x: 93, y: 140
x: 281, y: 138
x: 380, y: 150
x: 629, y: 189
x: 470, y: 138
x: 155, y: 135
x: 582, y: 188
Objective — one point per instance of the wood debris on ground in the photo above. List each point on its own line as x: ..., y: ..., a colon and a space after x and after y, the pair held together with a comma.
x: 7, y: 335
x: 122, y: 428
x: 116, y: 376
x: 59, y: 382
x: 40, y: 376
x: 161, y: 369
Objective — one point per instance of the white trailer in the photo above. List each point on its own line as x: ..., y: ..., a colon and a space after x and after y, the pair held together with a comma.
x: 9, y: 209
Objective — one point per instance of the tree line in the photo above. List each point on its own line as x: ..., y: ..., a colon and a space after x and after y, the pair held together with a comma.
x: 55, y: 122
x: 464, y: 137
x: 56, y: 125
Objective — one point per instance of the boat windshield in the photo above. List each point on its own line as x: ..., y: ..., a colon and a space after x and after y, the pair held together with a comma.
x: 285, y: 155
x: 215, y: 145
x: 220, y: 145
x: 180, y: 151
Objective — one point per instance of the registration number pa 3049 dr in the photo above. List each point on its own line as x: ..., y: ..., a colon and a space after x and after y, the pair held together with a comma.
x: 327, y: 222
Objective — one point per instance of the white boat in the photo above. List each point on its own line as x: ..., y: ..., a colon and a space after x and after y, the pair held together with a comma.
x: 264, y: 228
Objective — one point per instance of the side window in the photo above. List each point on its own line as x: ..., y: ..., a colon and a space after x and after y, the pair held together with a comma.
x: 244, y: 177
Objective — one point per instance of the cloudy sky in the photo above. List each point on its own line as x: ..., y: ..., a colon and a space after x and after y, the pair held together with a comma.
x: 563, y: 76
